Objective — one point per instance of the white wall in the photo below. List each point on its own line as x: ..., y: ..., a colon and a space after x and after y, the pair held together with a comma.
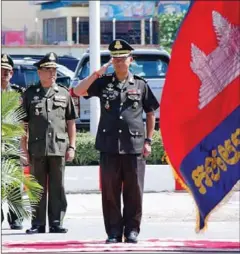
x: 17, y: 14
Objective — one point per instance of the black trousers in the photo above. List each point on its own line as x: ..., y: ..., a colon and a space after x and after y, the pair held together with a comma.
x: 12, y: 216
x: 122, y: 173
x: 49, y: 172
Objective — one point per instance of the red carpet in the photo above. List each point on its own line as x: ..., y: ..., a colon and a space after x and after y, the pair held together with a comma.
x: 143, y: 246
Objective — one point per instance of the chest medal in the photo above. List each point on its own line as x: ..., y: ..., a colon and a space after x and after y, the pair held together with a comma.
x: 107, y: 106
x: 135, y: 104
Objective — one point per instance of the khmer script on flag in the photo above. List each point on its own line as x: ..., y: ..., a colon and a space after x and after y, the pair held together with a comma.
x: 200, y: 106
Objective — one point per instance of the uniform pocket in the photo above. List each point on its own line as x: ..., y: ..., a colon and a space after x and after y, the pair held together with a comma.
x: 135, y: 133
x: 134, y: 97
x: 61, y: 140
x: 59, y: 108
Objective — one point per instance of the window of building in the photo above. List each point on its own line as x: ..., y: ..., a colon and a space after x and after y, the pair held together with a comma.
x: 83, y: 27
x: 54, y: 30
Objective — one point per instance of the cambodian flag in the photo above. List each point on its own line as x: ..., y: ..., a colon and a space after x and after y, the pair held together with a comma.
x: 200, y: 106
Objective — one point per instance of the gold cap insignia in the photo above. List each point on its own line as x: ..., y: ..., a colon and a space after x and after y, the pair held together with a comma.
x: 4, y: 58
x: 118, y: 45
x: 52, y: 57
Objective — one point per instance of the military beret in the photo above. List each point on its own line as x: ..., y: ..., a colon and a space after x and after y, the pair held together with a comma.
x: 120, y: 48
x: 6, y: 62
x: 48, y: 61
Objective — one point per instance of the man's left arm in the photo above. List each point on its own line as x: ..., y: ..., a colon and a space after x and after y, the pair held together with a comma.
x: 150, y: 104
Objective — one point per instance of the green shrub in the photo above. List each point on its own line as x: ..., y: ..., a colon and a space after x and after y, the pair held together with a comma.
x: 86, y: 154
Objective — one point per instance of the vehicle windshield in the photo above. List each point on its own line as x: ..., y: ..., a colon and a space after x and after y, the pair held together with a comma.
x: 65, y: 71
x: 147, y: 66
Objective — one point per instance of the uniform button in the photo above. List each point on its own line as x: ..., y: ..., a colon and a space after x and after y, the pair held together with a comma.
x: 48, y: 99
x: 121, y: 104
x: 50, y: 134
x: 104, y: 130
x: 120, y: 131
x: 49, y: 121
x: 120, y: 117
x: 49, y: 110
x: 36, y: 138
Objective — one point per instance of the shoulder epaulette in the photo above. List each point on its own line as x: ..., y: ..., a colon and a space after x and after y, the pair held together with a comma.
x: 141, y: 78
x: 107, y: 75
x: 63, y: 86
x: 18, y: 88
x: 30, y: 87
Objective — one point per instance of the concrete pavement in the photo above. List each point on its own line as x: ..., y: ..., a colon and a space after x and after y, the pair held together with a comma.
x: 165, y: 216
x: 85, y: 179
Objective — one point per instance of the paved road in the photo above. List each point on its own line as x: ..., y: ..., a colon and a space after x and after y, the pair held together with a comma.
x: 85, y: 179
x: 166, y: 216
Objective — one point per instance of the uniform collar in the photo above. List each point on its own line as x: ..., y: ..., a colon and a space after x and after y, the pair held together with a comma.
x: 52, y: 90
x: 130, y: 78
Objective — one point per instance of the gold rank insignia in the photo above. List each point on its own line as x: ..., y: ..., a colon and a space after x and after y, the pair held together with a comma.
x: 4, y: 58
x: 52, y: 57
x: 118, y: 45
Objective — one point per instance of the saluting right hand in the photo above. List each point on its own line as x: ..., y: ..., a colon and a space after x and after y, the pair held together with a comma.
x: 104, y: 68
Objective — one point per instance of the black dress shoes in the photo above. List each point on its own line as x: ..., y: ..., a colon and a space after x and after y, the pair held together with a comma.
x: 57, y: 229
x: 114, y: 239
x: 16, y: 226
x: 36, y: 230
x: 131, y: 237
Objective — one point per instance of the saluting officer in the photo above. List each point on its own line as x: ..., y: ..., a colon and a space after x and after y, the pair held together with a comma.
x: 121, y: 140
x: 51, y: 122
x: 6, y: 75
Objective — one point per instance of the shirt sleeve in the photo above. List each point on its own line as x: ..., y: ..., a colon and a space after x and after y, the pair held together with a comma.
x: 150, y: 102
x: 25, y: 107
x: 94, y: 89
x: 71, y: 113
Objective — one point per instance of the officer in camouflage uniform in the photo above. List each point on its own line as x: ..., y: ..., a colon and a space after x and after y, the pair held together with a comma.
x: 6, y: 75
x: 121, y: 140
x: 51, y: 122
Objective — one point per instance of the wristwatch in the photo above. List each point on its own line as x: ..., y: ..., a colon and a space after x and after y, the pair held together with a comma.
x: 71, y: 147
x: 148, y: 140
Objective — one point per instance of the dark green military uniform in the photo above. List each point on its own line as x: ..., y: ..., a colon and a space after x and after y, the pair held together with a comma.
x: 13, y: 220
x: 120, y: 139
x: 47, y: 113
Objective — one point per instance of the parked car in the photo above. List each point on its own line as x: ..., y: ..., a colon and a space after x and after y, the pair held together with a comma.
x: 25, y: 73
x: 69, y: 61
x: 150, y: 64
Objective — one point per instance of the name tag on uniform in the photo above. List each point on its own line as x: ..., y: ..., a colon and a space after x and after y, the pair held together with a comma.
x: 134, y: 91
x: 60, y: 98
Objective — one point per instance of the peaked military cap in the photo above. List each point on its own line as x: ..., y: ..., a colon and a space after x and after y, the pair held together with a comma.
x: 6, y: 62
x: 48, y: 61
x: 120, y: 48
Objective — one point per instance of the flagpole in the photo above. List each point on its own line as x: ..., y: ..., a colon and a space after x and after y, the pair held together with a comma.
x: 94, y: 31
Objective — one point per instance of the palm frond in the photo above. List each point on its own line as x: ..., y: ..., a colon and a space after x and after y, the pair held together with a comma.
x: 13, y: 178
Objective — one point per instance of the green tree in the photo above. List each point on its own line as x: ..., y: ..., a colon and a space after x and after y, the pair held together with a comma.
x: 168, y: 25
x: 12, y: 172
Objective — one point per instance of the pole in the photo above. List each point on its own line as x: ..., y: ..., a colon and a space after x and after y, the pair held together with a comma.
x: 142, y: 31
x: 77, y: 30
x: 151, y: 30
x: 114, y: 28
x: 94, y: 27
x: 36, y: 30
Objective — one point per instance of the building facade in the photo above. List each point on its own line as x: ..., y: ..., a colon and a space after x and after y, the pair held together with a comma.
x: 133, y: 20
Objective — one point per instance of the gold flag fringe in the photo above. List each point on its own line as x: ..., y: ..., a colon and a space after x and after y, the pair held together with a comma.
x: 182, y: 183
